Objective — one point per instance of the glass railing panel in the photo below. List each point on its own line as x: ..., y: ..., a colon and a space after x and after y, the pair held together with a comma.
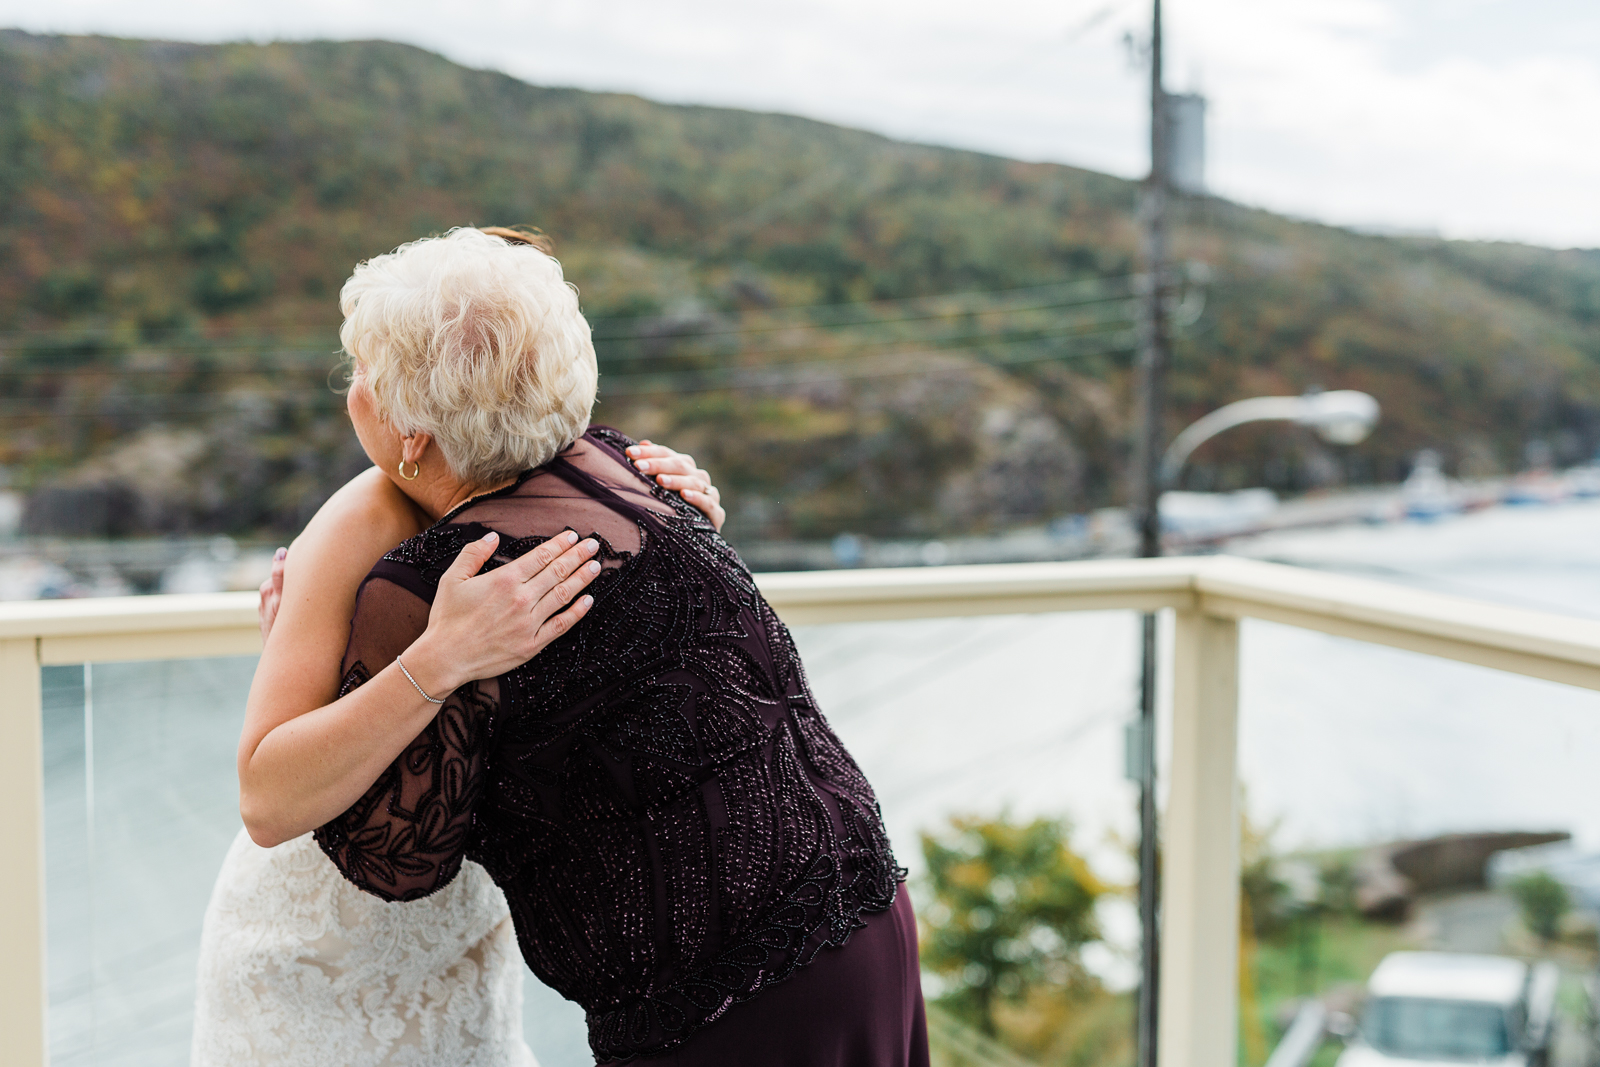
x: 69, y: 935
x: 1013, y: 717
x: 140, y: 806
x: 1348, y: 742
x: 973, y: 716
x: 1345, y: 745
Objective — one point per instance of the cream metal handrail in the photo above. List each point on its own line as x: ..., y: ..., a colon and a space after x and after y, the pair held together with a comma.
x: 1200, y: 834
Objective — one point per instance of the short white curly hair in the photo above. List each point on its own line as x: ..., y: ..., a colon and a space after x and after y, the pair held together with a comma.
x: 478, y: 341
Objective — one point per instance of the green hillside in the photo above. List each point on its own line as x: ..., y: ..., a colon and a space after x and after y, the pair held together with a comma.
x: 769, y: 292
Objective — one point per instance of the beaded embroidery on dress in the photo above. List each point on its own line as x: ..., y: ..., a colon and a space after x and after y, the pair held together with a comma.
x: 298, y: 968
x: 673, y: 821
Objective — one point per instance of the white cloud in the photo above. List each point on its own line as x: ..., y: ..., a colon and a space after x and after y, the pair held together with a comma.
x: 1404, y: 112
x: 1314, y: 115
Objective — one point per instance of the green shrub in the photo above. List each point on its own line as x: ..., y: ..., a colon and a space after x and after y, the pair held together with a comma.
x: 1012, y: 907
x: 1542, y: 901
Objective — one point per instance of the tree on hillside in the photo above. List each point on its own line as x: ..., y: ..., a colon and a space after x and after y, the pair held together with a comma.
x: 1013, y: 906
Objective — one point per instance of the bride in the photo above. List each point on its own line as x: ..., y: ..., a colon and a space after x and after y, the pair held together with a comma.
x: 299, y: 968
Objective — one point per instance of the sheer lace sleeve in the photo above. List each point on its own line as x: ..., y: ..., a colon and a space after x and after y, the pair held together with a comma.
x: 405, y: 838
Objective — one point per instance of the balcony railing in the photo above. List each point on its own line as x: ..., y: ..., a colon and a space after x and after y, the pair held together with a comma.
x: 1200, y: 888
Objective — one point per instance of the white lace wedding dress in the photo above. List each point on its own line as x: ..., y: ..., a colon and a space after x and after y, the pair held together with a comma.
x: 299, y: 968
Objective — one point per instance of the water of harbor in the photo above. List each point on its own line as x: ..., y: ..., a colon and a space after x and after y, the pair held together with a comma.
x: 1339, y: 743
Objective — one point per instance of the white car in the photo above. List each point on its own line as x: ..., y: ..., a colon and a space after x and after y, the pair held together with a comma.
x: 1432, y: 1007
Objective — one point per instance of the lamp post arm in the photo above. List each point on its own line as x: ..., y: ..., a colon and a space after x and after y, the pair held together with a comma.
x: 1256, y: 409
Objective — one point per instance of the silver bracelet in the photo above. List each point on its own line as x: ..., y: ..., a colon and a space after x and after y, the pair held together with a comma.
x: 414, y: 684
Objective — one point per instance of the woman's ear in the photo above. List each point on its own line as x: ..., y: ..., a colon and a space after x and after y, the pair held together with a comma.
x: 414, y: 446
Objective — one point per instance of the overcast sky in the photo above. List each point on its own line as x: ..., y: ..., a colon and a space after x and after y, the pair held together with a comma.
x: 1475, y: 118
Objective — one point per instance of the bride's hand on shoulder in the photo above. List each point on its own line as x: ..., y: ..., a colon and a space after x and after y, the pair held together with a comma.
x: 482, y: 625
x: 675, y: 470
x: 271, y: 595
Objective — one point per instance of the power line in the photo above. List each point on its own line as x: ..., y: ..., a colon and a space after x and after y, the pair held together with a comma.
x: 1064, y: 328
x: 1118, y: 315
x: 68, y: 338
x: 1121, y: 309
x: 886, y: 365
x: 674, y: 382
x: 1104, y: 329
x: 320, y: 368
x: 1092, y: 289
x: 893, y: 302
x: 745, y: 331
x: 123, y: 405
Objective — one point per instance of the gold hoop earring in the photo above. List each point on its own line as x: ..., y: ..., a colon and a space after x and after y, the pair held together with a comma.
x: 416, y: 469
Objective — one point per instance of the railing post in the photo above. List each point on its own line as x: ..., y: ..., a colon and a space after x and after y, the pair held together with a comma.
x: 22, y: 988
x: 1200, y: 850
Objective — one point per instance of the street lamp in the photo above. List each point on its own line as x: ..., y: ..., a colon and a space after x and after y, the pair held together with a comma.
x: 1342, y: 417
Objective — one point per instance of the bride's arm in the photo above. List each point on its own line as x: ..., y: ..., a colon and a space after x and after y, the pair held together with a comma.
x: 306, y: 620
x: 315, y: 598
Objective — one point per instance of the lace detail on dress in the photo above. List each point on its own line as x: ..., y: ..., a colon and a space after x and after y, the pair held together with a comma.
x: 300, y: 969
x: 673, y: 821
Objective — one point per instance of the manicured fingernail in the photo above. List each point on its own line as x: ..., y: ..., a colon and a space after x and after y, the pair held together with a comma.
x: 643, y: 465
x: 571, y: 536
x: 282, y: 553
x: 591, y: 545
x: 588, y: 600
x: 491, y: 536
x: 633, y: 450
x: 594, y: 568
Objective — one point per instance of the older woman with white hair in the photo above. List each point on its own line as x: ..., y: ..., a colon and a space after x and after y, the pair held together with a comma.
x: 686, y: 848
x: 297, y: 966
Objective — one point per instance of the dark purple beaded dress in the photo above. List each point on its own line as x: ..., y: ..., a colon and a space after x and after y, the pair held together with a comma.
x: 688, y: 850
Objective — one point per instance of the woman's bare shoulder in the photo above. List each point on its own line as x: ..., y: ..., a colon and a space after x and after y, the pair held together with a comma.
x: 367, y: 516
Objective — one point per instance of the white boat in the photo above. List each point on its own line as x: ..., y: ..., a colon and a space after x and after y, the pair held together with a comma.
x: 1427, y: 494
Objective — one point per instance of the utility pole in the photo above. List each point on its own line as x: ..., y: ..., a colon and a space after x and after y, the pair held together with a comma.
x: 1154, y: 355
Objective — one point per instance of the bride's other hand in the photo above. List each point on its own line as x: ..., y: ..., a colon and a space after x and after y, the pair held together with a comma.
x: 271, y: 594
x: 675, y: 470
x: 482, y: 625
